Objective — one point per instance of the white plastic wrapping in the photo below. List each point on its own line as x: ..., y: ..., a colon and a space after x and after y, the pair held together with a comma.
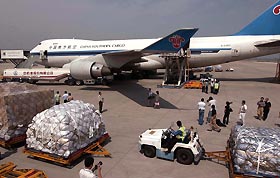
x: 65, y: 128
x: 256, y: 150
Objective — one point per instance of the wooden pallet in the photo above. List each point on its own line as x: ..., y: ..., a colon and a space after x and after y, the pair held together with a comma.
x: 13, y: 141
x: 94, y: 148
x: 8, y: 171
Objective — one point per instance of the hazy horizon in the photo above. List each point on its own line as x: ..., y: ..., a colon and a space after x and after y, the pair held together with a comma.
x: 25, y: 23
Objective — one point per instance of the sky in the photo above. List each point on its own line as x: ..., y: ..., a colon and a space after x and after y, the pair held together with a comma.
x: 24, y: 23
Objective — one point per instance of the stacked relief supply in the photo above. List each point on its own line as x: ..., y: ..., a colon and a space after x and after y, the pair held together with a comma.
x: 19, y: 103
x: 65, y: 128
x: 256, y: 150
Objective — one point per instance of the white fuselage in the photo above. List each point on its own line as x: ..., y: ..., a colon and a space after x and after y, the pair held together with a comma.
x: 205, y: 51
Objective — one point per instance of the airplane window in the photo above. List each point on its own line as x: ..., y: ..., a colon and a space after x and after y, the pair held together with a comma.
x: 74, y: 47
x: 64, y: 47
x: 59, y: 47
x: 54, y: 47
x: 50, y: 47
x: 69, y: 46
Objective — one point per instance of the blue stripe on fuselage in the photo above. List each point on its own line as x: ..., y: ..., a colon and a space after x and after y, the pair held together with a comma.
x: 196, y: 51
x: 92, y: 53
x: 75, y: 53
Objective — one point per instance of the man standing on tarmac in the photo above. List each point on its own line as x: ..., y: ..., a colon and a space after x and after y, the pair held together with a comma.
x: 211, y: 102
x: 65, y: 97
x: 87, y: 171
x: 201, y: 110
x: 266, y: 108
x: 57, y: 98
x: 242, y: 112
x: 260, y: 105
x: 101, y: 101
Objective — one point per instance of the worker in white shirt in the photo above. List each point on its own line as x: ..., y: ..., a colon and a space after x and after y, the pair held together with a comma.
x: 201, y: 110
x: 242, y: 112
x: 87, y: 171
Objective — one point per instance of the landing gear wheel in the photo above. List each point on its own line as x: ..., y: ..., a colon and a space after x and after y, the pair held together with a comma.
x: 149, y: 151
x: 71, y: 82
x: 79, y: 82
x: 184, y: 156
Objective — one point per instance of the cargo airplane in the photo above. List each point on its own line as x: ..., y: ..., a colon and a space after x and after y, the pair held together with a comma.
x: 87, y: 59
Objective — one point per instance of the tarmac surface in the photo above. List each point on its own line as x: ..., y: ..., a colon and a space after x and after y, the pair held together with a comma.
x: 126, y: 117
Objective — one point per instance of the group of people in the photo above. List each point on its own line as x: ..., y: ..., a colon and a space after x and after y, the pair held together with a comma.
x: 263, y: 108
x: 153, y: 99
x: 215, y: 124
x: 66, y: 97
x: 214, y: 85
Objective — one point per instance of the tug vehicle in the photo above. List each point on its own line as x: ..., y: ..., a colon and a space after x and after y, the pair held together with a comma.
x: 153, y: 143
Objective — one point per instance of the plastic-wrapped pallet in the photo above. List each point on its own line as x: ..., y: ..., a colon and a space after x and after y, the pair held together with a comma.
x: 19, y: 103
x: 256, y: 150
x: 65, y: 128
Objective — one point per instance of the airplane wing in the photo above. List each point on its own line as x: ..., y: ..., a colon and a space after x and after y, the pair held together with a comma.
x: 103, y: 64
x: 120, y: 58
x: 169, y: 44
x: 268, y: 43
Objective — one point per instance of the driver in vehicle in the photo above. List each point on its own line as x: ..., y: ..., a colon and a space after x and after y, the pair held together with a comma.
x: 178, y: 136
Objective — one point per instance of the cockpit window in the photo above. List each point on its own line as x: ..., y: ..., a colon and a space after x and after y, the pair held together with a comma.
x: 39, y: 43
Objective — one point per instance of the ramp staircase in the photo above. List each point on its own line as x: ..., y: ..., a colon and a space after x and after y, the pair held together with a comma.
x: 176, y: 70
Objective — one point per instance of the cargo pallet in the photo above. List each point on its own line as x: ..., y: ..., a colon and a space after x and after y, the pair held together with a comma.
x: 7, y: 171
x: 225, y: 156
x: 12, y: 141
x: 94, y: 148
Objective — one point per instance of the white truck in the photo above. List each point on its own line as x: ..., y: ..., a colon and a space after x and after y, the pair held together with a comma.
x: 153, y: 141
x: 34, y: 75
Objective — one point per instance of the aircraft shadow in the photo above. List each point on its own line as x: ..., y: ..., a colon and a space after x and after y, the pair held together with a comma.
x: 135, y: 92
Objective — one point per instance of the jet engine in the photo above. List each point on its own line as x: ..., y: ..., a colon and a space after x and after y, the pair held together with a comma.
x: 85, y: 70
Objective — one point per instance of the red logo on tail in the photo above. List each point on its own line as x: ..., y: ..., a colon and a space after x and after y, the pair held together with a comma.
x: 176, y: 41
x: 276, y: 10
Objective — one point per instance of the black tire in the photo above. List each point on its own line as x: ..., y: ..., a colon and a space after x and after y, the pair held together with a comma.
x: 149, y: 151
x: 104, y: 82
x: 184, y: 156
x: 32, y: 81
x: 79, y: 82
x: 71, y: 82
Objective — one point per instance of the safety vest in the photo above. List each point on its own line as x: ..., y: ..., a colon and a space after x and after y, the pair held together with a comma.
x: 183, y: 130
x: 216, y: 85
x: 57, y: 97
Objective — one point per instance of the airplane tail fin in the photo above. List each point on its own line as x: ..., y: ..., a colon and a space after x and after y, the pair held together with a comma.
x: 173, y: 42
x: 266, y: 24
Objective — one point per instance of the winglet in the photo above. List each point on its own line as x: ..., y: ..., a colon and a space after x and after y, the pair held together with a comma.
x: 173, y: 42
